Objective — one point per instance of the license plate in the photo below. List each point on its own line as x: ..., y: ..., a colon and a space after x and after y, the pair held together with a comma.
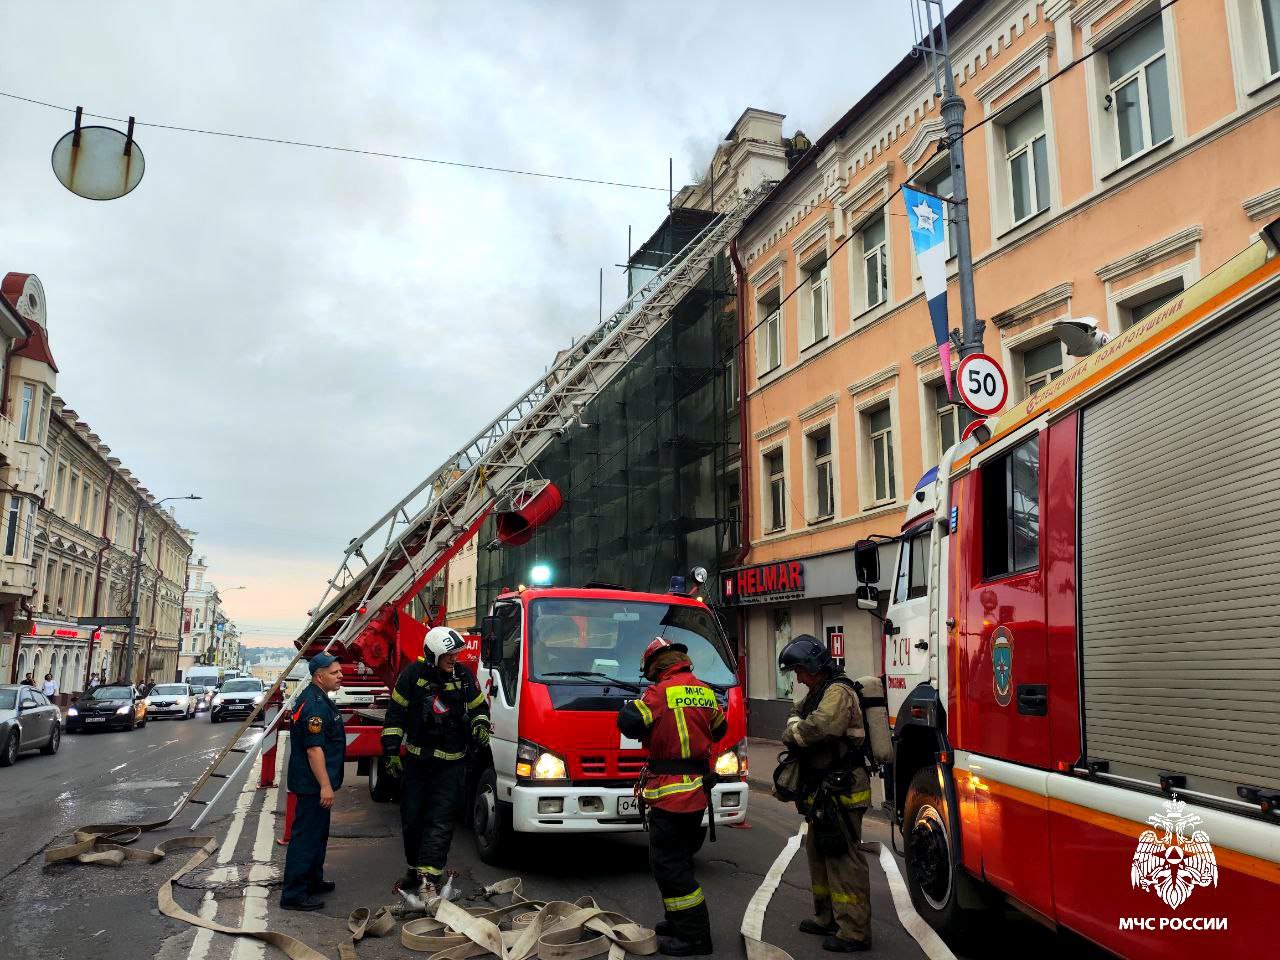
x: 628, y: 807
x: 95, y: 719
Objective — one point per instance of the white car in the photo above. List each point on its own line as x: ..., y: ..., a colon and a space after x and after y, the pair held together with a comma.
x: 176, y: 700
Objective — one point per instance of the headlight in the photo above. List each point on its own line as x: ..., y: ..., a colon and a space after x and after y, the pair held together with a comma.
x: 72, y: 712
x: 727, y: 764
x: 535, y: 763
x: 549, y: 767
x: 127, y: 708
x: 147, y: 701
x: 258, y: 698
x: 217, y: 700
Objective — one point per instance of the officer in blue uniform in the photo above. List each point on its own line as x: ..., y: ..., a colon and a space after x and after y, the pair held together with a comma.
x: 317, y: 747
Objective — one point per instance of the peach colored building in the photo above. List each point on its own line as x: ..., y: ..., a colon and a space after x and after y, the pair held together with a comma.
x: 1127, y: 150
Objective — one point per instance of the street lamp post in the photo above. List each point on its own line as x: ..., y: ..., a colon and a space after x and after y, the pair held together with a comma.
x: 137, y: 583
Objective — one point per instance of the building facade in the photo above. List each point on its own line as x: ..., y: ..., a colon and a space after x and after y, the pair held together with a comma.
x: 460, y: 595
x: 1117, y: 151
x: 209, y: 636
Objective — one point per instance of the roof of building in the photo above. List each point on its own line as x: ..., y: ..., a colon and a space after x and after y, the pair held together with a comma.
x: 36, y: 345
x: 962, y: 12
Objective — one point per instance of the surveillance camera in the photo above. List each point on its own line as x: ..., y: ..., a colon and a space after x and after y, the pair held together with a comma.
x: 1080, y: 335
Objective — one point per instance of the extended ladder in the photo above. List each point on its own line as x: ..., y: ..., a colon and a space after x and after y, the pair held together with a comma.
x: 415, y: 535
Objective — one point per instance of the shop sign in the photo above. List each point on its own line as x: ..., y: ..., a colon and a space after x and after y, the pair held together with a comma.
x: 765, y: 583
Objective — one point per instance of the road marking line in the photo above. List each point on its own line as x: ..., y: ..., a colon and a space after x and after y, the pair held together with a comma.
x: 254, y: 915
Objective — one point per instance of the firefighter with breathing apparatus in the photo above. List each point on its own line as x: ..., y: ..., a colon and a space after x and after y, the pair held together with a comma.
x: 825, y: 771
x: 678, y: 719
x: 438, y: 712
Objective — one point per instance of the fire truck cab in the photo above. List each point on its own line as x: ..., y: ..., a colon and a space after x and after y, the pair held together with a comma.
x: 1080, y: 641
x: 557, y: 665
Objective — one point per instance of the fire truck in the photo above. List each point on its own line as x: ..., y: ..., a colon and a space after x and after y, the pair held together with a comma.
x: 556, y: 763
x: 1082, y: 640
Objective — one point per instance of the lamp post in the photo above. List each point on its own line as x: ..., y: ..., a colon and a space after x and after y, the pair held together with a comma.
x: 137, y: 582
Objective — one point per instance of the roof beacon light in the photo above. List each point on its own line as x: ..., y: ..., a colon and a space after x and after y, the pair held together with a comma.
x: 540, y: 575
x: 678, y: 587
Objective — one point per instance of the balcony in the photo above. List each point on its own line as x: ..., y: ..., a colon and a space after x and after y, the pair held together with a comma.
x: 8, y: 436
x: 17, y: 578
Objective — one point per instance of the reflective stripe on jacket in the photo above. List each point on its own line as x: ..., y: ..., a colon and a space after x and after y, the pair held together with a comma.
x: 434, y: 714
x: 677, y: 718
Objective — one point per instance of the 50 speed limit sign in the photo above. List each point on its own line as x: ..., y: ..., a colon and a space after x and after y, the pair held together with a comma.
x: 983, y: 385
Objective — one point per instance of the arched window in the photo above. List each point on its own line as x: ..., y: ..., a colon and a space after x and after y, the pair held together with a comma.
x: 22, y: 664
x: 77, y: 676
x: 35, y: 664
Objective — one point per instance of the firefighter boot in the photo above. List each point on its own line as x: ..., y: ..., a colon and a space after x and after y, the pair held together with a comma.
x: 809, y: 925
x: 675, y: 947
x: 837, y: 944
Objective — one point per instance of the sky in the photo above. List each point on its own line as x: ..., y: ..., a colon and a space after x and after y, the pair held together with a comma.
x: 300, y: 336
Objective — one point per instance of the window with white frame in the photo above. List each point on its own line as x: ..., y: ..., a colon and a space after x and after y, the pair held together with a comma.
x: 946, y: 420
x: 84, y: 504
x: 1138, y: 90
x: 821, y: 474
x: 1271, y: 32
x: 940, y: 183
x: 879, y: 427
x: 875, y: 263
x: 1040, y: 365
x: 1027, y: 162
x: 42, y: 420
x: 24, y: 416
x: 732, y: 514
x: 1141, y: 305
x: 768, y: 334
x: 815, y: 307
x: 776, y: 479
x: 11, y: 527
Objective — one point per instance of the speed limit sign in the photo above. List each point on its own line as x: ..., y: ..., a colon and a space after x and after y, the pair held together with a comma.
x: 983, y: 385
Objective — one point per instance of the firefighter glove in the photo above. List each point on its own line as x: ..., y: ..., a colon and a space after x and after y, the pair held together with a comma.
x: 395, y: 767
x: 480, y: 733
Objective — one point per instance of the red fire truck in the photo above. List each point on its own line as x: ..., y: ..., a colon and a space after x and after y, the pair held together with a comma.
x: 1082, y: 643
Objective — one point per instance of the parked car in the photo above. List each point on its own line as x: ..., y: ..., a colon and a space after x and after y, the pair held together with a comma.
x: 111, y: 706
x: 172, y: 700
x: 27, y: 721
x: 236, y: 698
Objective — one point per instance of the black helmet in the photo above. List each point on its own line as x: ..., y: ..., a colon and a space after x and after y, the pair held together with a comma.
x: 807, y: 654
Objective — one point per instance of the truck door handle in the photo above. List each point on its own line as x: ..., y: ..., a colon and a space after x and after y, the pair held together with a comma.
x: 890, y: 630
x: 921, y: 645
x: 1033, y: 699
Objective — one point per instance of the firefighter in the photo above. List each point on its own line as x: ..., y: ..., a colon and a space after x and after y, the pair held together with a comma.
x: 317, y: 751
x: 826, y: 731
x: 437, y: 711
x: 678, y: 720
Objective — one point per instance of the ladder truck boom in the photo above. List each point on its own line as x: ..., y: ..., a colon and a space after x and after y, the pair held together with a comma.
x: 414, y: 539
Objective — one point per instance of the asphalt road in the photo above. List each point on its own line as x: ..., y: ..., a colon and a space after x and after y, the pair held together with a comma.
x: 76, y: 911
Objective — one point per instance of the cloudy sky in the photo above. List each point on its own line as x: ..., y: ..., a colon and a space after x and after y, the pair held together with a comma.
x: 300, y: 336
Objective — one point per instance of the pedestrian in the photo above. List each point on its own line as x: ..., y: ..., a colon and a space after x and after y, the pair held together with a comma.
x: 827, y: 734
x: 437, y: 712
x: 29, y: 680
x: 678, y: 719
x: 317, y: 751
x: 93, y: 680
x: 50, y: 686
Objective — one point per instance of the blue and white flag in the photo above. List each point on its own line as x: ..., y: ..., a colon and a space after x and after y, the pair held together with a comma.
x: 929, y: 238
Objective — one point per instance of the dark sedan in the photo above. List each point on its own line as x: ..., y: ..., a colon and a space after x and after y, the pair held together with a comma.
x: 28, y: 721
x: 115, y: 706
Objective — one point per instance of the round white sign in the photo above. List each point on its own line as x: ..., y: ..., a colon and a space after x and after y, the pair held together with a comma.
x: 983, y: 385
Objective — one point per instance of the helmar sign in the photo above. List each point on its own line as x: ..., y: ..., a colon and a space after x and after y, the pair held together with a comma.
x: 767, y: 582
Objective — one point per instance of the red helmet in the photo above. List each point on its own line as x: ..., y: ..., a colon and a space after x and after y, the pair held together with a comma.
x: 657, y: 646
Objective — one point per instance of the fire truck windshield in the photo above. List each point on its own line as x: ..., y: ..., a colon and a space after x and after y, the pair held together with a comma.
x: 589, y: 641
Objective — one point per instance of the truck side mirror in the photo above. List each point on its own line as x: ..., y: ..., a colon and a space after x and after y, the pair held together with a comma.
x: 490, y: 652
x: 867, y: 597
x: 866, y: 562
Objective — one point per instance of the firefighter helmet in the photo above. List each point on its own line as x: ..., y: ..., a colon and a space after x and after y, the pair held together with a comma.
x: 657, y: 646
x: 442, y: 640
x: 807, y: 654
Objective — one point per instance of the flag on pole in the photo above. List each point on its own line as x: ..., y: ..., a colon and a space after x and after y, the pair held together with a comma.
x: 929, y: 239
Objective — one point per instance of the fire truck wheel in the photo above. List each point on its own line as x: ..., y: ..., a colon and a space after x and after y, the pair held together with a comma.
x: 490, y: 819
x: 926, y: 835
x: 383, y: 788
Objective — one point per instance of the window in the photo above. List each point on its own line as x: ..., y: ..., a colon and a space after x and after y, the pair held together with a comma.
x: 41, y: 421
x: 60, y: 477
x: 913, y: 567
x: 940, y: 183
x: 1271, y: 27
x: 24, y: 418
x: 97, y: 499
x: 769, y: 343
x: 11, y: 528
x: 774, y: 471
x: 945, y: 414
x: 1011, y: 511
x: 880, y: 437
x: 84, y: 504
x: 818, y: 305
x: 824, y: 494
x: 731, y: 394
x: 1040, y: 365
x: 508, y: 640
x: 875, y: 264
x: 29, y: 531
x: 733, y: 514
x: 119, y: 523
x: 1027, y: 157
x: 1138, y: 74
x: 1142, y: 305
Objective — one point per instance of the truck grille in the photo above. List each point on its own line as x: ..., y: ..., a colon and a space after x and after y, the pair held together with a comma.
x: 612, y: 768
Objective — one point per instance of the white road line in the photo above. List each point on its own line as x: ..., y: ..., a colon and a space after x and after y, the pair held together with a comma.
x: 256, y: 893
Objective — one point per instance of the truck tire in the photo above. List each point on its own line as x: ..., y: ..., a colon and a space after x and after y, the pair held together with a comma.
x: 490, y: 820
x: 383, y: 788
x: 934, y: 883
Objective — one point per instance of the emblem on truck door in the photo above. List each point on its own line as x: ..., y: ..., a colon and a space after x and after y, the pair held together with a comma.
x: 1002, y: 665
x: 1169, y: 863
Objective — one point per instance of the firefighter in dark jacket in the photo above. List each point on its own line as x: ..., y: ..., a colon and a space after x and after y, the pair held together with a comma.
x: 678, y: 720
x: 826, y: 731
x: 437, y: 711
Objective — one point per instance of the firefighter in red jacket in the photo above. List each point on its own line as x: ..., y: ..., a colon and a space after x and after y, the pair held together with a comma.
x: 678, y: 720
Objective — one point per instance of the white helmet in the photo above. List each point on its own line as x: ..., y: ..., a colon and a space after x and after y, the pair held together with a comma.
x: 441, y: 640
